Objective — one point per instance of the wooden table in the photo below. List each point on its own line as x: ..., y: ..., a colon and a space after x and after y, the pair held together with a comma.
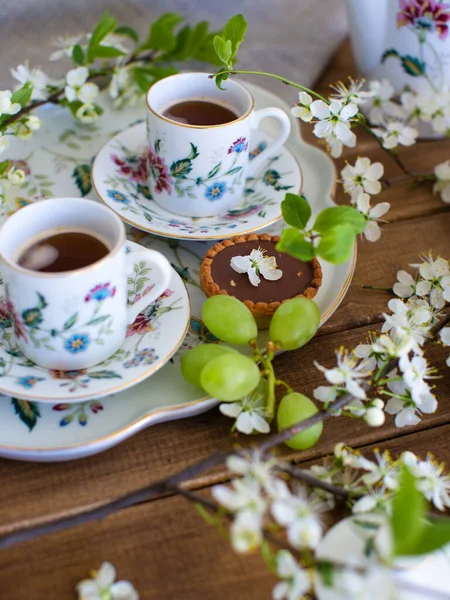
x: 164, y: 547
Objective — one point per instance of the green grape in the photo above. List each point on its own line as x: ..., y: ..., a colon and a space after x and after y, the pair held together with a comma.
x: 295, y: 407
x: 230, y: 376
x: 229, y: 320
x: 193, y: 361
x: 294, y: 323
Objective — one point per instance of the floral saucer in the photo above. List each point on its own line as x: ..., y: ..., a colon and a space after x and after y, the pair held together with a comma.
x: 151, y: 341
x: 119, y: 176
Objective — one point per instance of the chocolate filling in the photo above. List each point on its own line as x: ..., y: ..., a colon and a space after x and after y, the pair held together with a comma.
x: 297, y: 275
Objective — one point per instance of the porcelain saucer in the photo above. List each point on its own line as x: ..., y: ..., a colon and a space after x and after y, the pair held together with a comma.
x: 151, y: 341
x: 119, y: 176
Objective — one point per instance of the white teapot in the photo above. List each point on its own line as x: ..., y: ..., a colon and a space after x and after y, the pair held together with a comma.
x: 405, y: 41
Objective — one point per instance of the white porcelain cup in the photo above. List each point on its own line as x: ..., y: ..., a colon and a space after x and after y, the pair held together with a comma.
x: 74, y: 319
x: 200, y: 170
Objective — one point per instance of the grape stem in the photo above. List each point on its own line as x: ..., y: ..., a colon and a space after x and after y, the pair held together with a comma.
x: 171, y: 484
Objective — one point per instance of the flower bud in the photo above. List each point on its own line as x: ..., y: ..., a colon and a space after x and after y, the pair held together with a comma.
x: 374, y: 417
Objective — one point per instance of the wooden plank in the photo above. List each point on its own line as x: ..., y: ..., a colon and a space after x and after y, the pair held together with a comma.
x: 164, y: 547
x: 37, y: 492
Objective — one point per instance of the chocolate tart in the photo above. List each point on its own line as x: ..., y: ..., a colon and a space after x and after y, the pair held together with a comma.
x: 299, y: 278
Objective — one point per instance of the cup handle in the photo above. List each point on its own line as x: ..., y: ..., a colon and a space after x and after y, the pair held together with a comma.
x: 285, y: 123
x: 162, y: 275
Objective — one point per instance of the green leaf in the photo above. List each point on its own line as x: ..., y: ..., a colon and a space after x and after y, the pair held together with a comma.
x: 161, y: 35
x: 224, y: 49
x: 388, y: 53
x: 194, y: 152
x: 142, y: 80
x: 408, y: 514
x: 106, y: 25
x: 78, y: 55
x: 336, y: 244
x: 42, y: 302
x: 82, y: 176
x: 339, y: 215
x: 234, y: 32
x: 128, y: 32
x: 214, y: 171
x: 105, y: 374
x: 413, y: 66
x: 220, y: 77
x: 107, y: 52
x: 206, y: 51
x: 296, y: 210
x: 327, y: 572
x: 434, y: 535
x: 233, y: 171
x: 28, y: 412
x: 292, y: 242
x: 98, y: 320
x: 23, y: 95
x: 70, y: 322
x: 4, y: 166
x: 140, y: 283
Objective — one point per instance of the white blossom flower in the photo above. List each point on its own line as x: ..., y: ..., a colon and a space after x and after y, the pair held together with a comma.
x: 102, y: 586
x: 15, y: 176
x: 334, y: 121
x: 375, y: 583
x: 246, y: 531
x: 435, y: 281
x: 122, y: 88
x: 416, y: 106
x: 445, y: 339
x: 87, y: 113
x: 298, y: 515
x: 374, y: 500
x: 303, y: 109
x: 442, y: 185
x: 4, y: 142
x: 253, y: 466
x: 396, y: 132
x: 429, y: 479
x: 362, y: 177
x: 24, y: 127
x: 349, y: 373
x: 405, y: 287
x: 250, y: 412
x: 372, y: 230
x: 346, y: 457
x: 405, y: 411
x: 415, y: 371
x: 243, y: 494
x: 351, y: 94
x: 38, y: 79
x: 407, y: 324
x: 295, y: 582
x: 439, y: 112
x: 386, y: 347
x: 6, y: 106
x: 78, y: 88
x: 379, y: 104
x: 115, y: 40
x: 65, y: 46
x: 384, y: 471
x: 255, y: 264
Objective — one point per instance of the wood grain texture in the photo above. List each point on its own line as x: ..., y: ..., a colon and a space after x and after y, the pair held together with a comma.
x: 164, y: 547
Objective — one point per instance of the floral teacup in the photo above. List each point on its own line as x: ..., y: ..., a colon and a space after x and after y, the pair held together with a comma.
x: 75, y: 319
x: 200, y: 170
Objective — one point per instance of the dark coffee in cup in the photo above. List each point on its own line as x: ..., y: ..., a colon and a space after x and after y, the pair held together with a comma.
x: 200, y: 112
x: 58, y: 252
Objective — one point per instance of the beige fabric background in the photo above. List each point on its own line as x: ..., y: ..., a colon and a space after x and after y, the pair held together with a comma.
x: 294, y: 38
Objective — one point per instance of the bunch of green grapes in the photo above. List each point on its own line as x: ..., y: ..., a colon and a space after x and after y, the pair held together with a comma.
x: 228, y: 375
